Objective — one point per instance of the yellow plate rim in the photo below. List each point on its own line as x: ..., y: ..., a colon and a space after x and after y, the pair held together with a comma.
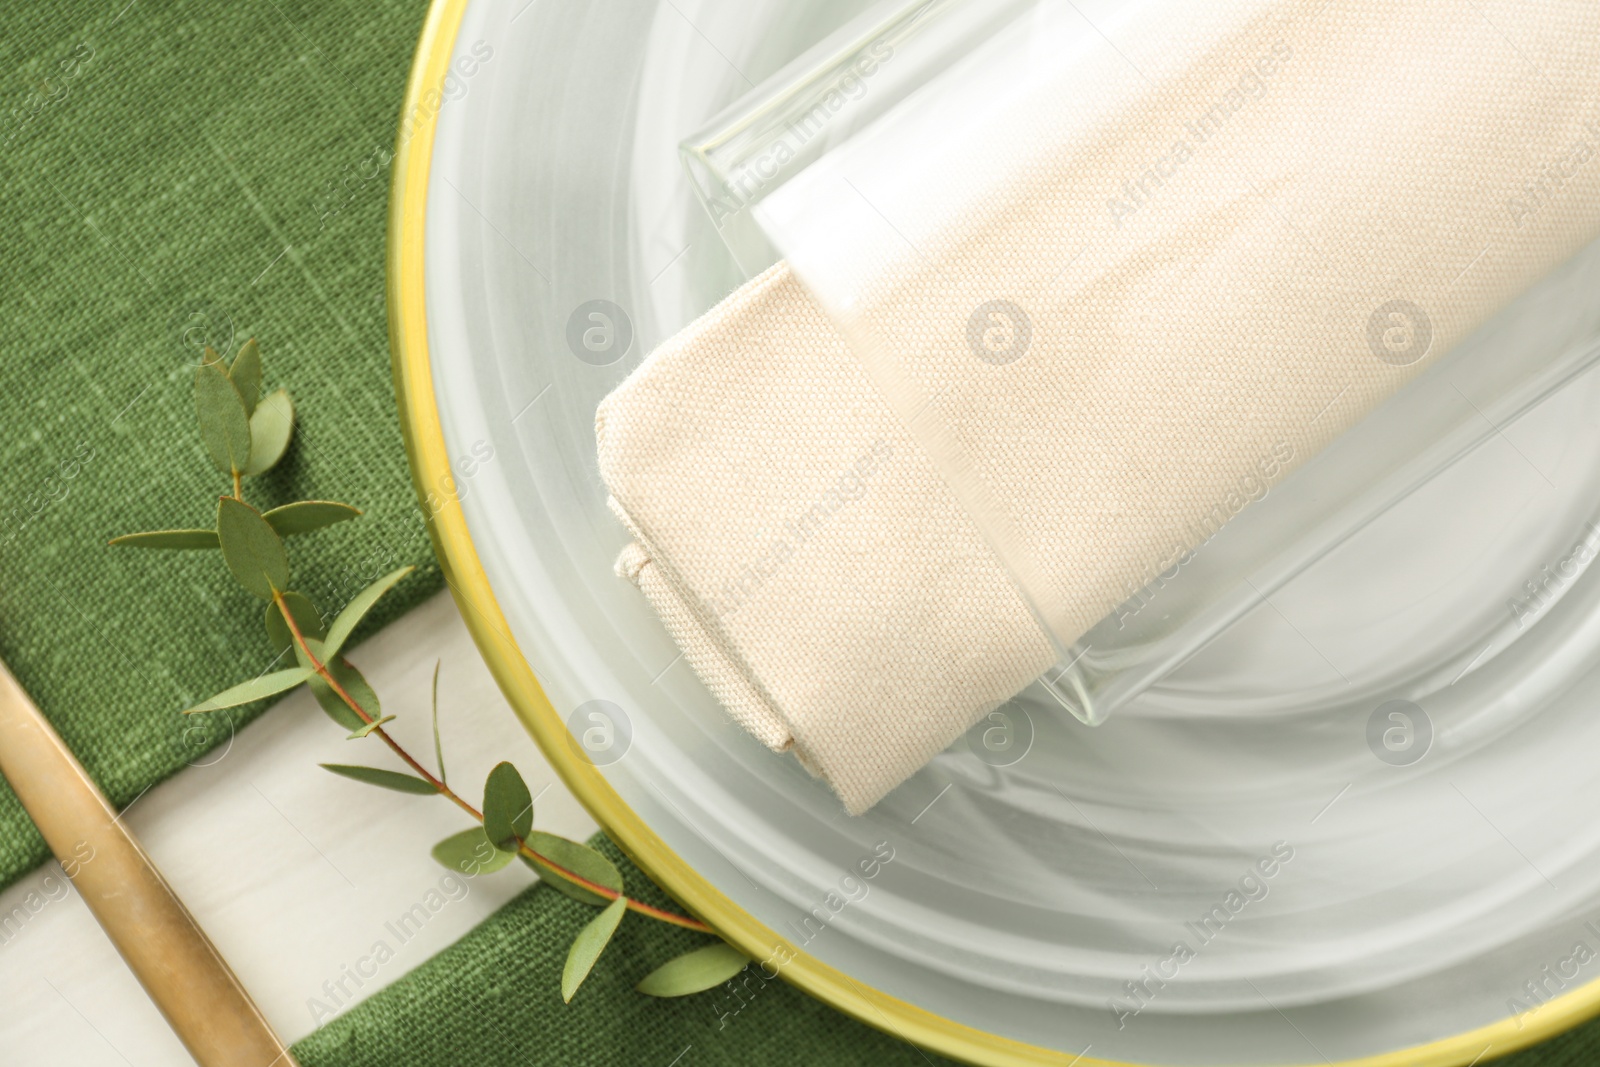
x: 463, y: 571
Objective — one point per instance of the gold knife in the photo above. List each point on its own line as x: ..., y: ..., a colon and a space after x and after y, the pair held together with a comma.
x: 167, y: 951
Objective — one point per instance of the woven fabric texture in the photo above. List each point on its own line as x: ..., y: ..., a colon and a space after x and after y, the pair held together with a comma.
x: 494, y: 998
x: 837, y: 533
x: 167, y: 170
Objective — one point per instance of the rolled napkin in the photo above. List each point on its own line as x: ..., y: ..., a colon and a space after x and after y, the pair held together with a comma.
x: 863, y: 546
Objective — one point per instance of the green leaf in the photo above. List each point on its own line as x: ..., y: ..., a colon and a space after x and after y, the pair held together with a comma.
x: 251, y: 547
x: 246, y: 374
x: 581, y: 860
x: 224, y: 423
x: 694, y: 972
x: 271, y: 426
x: 400, y: 783
x: 174, y: 539
x: 438, y: 749
x: 368, y: 727
x: 303, y: 516
x: 587, y: 946
x: 349, y: 679
x: 507, y: 806
x: 471, y: 853
x: 306, y: 618
x: 362, y: 603
x: 254, y: 689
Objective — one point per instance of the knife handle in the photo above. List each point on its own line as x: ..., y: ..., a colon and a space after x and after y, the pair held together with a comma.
x: 164, y: 947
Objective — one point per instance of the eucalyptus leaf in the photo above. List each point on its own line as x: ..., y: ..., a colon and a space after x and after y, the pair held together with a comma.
x: 694, y: 972
x: 306, y: 618
x: 271, y: 426
x: 581, y: 860
x: 303, y: 516
x: 438, y: 748
x: 352, y: 682
x: 507, y: 806
x: 362, y: 603
x: 400, y: 783
x: 349, y: 679
x: 246, y: 374
x: 256, y: 688
x: 170, y: 539
x: 587, y: 946
x: 367, y: 728
x: 224, y: 423
x: 252, y: 549
x: 471, y: 853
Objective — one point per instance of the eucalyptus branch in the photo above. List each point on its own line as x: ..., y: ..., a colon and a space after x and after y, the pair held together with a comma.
x: 245, y: 434
x: 450, y: 794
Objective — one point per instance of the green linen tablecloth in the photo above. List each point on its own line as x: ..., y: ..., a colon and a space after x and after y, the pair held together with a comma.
x: 178, y: 170
x: 173, y: 168
x: 493, y: 1000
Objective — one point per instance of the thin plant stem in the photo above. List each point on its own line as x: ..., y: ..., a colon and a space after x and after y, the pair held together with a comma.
x: 326, y: 675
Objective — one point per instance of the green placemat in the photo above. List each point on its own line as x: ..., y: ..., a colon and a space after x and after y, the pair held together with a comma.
x: 494, y: 999
x: 168, y: 169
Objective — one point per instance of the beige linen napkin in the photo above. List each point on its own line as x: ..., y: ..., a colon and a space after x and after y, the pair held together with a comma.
x: 864, y: 548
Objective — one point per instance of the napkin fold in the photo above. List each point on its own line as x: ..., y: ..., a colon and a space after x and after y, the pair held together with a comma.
x: 1233, y: 263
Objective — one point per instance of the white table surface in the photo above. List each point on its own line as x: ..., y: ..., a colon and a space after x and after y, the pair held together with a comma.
x: 294, y: 872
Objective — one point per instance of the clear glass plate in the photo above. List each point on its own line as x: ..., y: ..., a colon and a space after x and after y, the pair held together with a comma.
x: 1356, y: 822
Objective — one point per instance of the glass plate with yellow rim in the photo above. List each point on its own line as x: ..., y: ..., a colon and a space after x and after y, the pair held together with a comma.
x: 1310, y: 843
